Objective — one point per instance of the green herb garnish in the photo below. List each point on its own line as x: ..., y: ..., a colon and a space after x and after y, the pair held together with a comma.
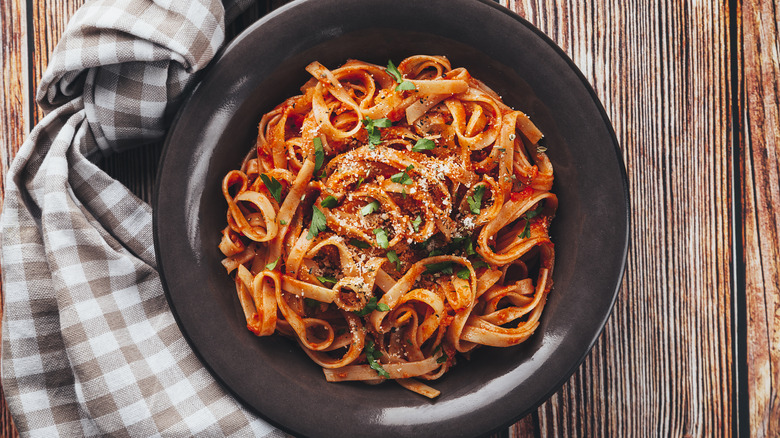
x: 359, y: 244
x: 392, y: 256
x: 423, y: 144
x: 273, y: 186
x: 416, y: 223
x: 372, y: 127
x: 403, y: 85
x: 318, y: 223
x: 381, y: 238
x: 528, y: 216
x: 372, y: 305
x: 369, y: 208
x: 372, y: 356
x: 480, y: 264
x: 329, y: 202
x: 271, y: 266
x: 464, y: 273
x: 470, y: 247
x: 443, y: 267
x: 403, y: 177
x: 533, y: 213
x: 475, y: 200
x: 324, y: 280
x: 319, y: 154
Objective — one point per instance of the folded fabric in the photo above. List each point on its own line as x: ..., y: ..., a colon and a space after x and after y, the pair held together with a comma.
x: 89, y: 345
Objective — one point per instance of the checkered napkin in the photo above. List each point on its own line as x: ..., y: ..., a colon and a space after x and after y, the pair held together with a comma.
x: 89, y: 345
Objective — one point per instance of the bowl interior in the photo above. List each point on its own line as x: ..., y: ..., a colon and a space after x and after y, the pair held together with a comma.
x: 218, y: 125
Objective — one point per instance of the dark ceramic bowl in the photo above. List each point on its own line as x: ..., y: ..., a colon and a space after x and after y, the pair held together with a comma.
x: 218, y: 125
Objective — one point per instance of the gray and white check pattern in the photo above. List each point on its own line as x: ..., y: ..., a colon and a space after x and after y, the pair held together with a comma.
x: 89, y: 345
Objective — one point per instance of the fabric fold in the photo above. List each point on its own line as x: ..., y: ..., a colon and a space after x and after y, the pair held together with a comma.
x: 89, y: 344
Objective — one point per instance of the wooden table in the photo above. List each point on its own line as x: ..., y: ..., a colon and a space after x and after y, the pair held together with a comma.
x: 693, y: 345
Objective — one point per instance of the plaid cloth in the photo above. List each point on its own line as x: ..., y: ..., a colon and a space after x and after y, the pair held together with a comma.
x: 89, y: 345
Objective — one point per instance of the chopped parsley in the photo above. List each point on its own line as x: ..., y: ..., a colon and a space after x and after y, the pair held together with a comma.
x: 324, y: 280
x: 480, y: 264
x: 436, y: 252
x: 528, y: 216
x: 470, y: 247
x: 273, y: 186
x: 403, y: 85
x: 416, y: 223
x: 423, y: 144
x: 369, y: 208
x: 329, y: 202
x: 381, y: 237
x: 475, y: 200
x: 464, y: 273
x: 319, y: 154
x: 359, y: 244
x: 282, y: 221
x: 372, y: 305
x: 392, y: 256
x: 372, y: 127
x: 318, y: 223
x: 403, y: 177
x: 443, y: 267
x: 372, y: 356
x: 458, y: 243
x: 532, y: 214
x: 271, y: 266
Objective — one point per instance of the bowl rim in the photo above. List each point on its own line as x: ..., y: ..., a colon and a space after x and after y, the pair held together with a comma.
x: 226, y: 50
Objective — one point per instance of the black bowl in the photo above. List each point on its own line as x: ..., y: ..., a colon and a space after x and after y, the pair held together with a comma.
x: 218, y: 125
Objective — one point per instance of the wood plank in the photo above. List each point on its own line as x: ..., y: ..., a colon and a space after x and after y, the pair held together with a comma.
x: 664, y: 361
x: 49, y: 18
x: 759, y: 174
x: 14, y: 96
x: 14, y: 105
x: 663, y: 365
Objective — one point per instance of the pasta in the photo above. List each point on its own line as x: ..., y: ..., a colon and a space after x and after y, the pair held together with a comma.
x: 390, y: 218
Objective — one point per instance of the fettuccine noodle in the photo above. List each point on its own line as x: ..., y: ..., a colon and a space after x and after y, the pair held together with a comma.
x: 390, y: 218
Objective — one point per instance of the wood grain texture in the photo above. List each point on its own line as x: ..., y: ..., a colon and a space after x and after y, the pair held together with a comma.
x: 760, y: 168
x: 663, y: 366
x: 49, y: 19
x: 14, y: 121
x: 14, y: 96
